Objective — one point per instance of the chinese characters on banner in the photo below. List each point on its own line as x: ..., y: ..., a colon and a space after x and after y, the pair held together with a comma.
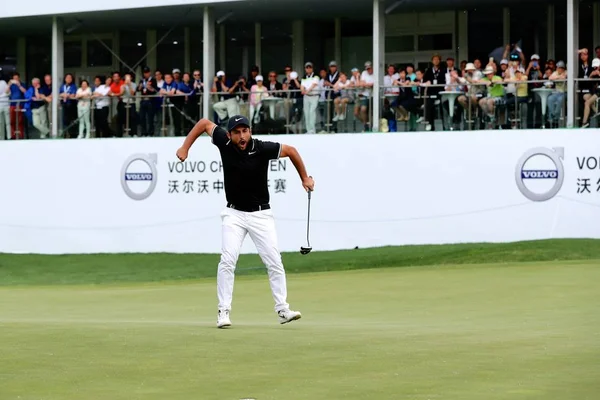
x: 588, y: 180
x: 201, y: 177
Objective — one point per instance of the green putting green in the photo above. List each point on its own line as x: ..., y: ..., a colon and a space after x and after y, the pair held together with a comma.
x: 464, y: 332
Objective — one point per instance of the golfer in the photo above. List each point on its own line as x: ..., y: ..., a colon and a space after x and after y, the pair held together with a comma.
x: 245, y: 164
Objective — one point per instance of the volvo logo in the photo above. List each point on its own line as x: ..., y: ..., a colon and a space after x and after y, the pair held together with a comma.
x: 540, y: 173
x: 139, y: 176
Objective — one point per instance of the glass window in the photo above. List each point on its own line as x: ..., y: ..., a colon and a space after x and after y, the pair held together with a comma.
x: 97, y: 54
x: 170, y: 52
x: 8, y: 58
x: 276, y: 46
x: 488, y: 20
x: 394, y: 44
x: 39, y: 56
x: 196, y: 48
x: 440, y: 41
x: 72, y: 54
x: 132, y: 49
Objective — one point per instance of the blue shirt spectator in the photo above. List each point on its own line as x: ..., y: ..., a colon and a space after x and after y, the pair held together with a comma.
x: 17, y: 91
x: 70, y: 89
x: 186, y: 88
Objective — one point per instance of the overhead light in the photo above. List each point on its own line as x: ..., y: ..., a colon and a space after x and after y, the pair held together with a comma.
x: 224, y: 17
x: 175, y: 42
x: 233, y: 39
x: 394, y: 6
x: 139, y: 44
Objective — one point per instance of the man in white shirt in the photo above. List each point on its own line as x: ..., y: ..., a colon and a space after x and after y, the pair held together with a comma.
x: 4, y: 111
x: 367, y: 79
x: 310, y: 90
x: 102, y: 103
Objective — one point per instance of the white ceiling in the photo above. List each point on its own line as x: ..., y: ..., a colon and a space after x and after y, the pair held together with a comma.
x: 242, y: 11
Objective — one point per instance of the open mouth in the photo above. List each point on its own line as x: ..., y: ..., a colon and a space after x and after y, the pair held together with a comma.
x: 243, y: 143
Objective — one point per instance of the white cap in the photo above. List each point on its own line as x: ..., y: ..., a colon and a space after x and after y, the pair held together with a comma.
x: 176, y: 71
x: 470, y: 67
x: 504, y: 62
x: 259, y: 78
x: 596, y: 63
x: 488, y: 70
x: 293, y: 75
x: 535, y: 57
x: 220, y: 73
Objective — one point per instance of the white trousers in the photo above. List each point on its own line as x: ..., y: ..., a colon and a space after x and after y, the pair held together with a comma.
x: 40, y: 121
x: 261, y: 227
x: 227, y: 108
x: 83, y: 113
x: 310, y: 113
x: 5, y: 122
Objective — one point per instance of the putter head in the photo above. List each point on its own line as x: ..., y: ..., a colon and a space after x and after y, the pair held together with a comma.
x: 305, y: 250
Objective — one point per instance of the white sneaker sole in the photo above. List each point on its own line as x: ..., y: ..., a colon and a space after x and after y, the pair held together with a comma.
x: 224, y: 325
x: 294, y: 318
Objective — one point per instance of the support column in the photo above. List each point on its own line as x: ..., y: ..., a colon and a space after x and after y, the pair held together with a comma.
x: 22, y: 59
x: 187, y: 50
x: 245, y: 61
x: 505, y: 26
x: 572, y: 59
x: 298, y: 46
x: 151, y: 44
x: 258, y: 46
x: 208, y: 60
x: 222, y: 48
x: 596, y: 28
x: 463, y: 35
x: 337, y: 52
x: 57, y: 71
x: 378, y: 60
x: 550, y: 29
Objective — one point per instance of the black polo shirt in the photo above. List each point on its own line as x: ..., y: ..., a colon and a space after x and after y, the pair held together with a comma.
x: 246, y: 172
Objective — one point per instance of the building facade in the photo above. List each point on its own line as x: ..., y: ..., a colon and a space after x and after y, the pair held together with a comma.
x: 91, y: 38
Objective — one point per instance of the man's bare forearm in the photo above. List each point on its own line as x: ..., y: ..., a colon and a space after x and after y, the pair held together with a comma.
x: 298, y: 163
x: 198, y: 129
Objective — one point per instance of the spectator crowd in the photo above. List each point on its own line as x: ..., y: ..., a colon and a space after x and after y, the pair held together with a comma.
x: 512, y: 92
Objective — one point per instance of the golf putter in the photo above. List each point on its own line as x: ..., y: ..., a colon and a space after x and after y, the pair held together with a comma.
x: 308, y: 248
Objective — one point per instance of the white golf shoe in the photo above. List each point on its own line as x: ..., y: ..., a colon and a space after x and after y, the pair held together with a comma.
x: 286, y: 316
x: 223, y: 320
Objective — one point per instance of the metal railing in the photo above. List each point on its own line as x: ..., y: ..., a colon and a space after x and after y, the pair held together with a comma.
x: 410, y: 107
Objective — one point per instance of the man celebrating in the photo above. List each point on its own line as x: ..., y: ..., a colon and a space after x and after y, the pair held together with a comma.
x: 245, y: 164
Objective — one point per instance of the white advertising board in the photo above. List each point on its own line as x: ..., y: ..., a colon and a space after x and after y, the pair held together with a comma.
x: 71, y: 196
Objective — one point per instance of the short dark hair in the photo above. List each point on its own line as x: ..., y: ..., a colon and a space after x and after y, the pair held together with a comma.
x: 597, y: 48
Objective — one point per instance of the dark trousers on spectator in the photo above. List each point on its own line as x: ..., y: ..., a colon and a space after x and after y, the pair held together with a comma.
x: 101, y: 122
x: 17, y: 122
x: 191, y: 111
x: 147, y: 118
x: 430, y: 111
x: 70, y: 126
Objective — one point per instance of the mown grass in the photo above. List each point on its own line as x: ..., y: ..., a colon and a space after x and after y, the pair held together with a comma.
x: 31, y: 269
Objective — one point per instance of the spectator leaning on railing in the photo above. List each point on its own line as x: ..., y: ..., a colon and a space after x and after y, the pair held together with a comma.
x: 258, y: 92
x: 69, y: 105
x: 310, y: 91
x: 147, y: 88
x: 84, y: 95
x: 102, y: 103
x: 555, y: 100
x: 17, y: 94
x: 35, y: 108
x: 591, y: 102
